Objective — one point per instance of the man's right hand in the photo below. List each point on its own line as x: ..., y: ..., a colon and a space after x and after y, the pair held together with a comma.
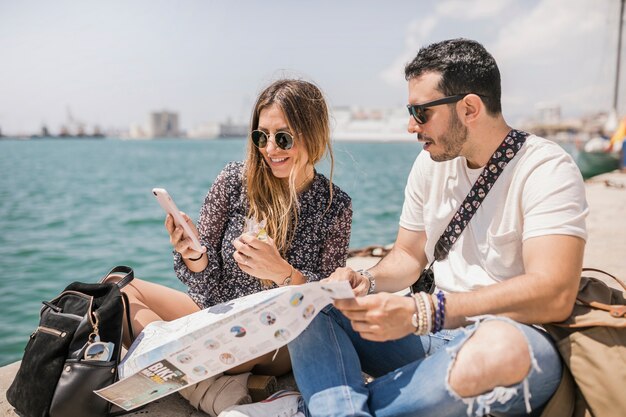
x: 379, y: 317
x: 360, y: 284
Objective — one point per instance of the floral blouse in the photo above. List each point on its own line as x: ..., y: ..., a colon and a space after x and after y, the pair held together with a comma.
x: 320, y: 244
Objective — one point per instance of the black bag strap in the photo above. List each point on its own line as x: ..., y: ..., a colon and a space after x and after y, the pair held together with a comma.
x: 129, y: 323
x: 507, y: 150
x: 129, y: 275
x: 128, y: 272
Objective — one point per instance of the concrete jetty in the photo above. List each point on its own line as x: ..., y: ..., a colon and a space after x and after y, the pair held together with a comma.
x: 606, y: 249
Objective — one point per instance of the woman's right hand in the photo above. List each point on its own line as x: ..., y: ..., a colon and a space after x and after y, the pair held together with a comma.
x: 179, y: 240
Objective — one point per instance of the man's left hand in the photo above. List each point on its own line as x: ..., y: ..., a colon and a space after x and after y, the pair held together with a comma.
x: 358, y: 282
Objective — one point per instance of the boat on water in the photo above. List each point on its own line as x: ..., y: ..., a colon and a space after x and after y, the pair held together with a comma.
x: 594, y: 160
x: 601, y: 155
x: 597, y: 162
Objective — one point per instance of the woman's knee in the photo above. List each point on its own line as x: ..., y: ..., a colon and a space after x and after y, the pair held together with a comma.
x: 167, y: 303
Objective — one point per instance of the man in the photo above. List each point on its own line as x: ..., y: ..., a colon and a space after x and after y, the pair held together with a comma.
x: 517, y: 263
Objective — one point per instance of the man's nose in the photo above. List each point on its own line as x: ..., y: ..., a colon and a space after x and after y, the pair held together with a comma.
x: 413, y: 126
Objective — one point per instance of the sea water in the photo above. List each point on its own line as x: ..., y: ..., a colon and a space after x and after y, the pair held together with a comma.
x: 70, y: 209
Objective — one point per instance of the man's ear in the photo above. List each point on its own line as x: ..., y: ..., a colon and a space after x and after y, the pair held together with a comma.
x: 472, y: 108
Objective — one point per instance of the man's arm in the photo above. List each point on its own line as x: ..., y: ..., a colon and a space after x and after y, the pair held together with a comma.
x: 544, y: 293
x: 396, y: 271
x: 403, y: 264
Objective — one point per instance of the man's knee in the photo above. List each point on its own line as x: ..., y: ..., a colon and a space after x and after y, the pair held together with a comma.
x: 497, y: 354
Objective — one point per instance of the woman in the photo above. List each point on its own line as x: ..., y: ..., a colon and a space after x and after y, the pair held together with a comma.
x: 307, y: 219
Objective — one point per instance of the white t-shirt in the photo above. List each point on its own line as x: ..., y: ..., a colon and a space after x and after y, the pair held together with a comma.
x: 540, y: 192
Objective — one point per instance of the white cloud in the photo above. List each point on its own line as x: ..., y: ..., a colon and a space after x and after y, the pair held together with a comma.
x: 547, y: 50
x: 471, y: 9
x: 550, y: 29
x: 556, y: 52
x: 417, y: 32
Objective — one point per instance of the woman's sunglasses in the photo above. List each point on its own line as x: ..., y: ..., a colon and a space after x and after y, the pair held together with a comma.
x: 283, y: 140
x: 418, y: 111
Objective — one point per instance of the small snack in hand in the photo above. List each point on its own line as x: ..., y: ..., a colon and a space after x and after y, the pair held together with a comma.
x: 257, y: 229
x: 251, y: 227
x: 262, y: 234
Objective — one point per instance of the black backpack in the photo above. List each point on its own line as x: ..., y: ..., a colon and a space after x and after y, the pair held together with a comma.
x: 75, y: 350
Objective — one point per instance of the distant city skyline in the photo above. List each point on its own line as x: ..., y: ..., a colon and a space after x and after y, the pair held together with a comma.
x: 112, y: 64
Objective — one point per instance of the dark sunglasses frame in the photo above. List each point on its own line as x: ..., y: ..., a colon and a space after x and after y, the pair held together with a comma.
x: 418, y: 110
x: 284, y: 140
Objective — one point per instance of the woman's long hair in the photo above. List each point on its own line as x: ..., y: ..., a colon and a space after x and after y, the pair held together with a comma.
x: 276, y: 199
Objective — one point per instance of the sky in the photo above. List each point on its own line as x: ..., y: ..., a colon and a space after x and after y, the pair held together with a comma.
x: 112, y: 62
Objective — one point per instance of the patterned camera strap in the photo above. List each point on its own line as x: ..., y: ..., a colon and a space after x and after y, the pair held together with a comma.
x: 507, y: 150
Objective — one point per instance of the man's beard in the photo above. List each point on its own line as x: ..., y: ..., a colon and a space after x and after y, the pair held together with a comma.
x: 452, y: 140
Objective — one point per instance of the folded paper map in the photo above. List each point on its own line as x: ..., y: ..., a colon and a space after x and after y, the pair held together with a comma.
x: 168, y: 356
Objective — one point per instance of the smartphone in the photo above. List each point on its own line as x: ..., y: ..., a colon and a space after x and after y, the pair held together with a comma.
x: 169, y: 206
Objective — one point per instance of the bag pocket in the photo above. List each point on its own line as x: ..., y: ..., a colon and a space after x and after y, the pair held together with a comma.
x: 593, y: 355
x: 74, y: 396
x: 32, y: 389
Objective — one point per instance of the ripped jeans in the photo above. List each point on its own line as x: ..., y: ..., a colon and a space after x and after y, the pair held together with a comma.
x: 411, y: 373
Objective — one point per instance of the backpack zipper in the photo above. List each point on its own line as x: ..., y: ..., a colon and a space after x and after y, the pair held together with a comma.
x: 49, y: 330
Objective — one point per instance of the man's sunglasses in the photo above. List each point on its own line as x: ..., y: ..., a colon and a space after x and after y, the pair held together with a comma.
x: 418, y: 111
x: 283, y: 140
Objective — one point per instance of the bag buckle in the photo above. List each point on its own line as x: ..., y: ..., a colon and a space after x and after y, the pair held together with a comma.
x: 425, y: 282
x: 618, y: 311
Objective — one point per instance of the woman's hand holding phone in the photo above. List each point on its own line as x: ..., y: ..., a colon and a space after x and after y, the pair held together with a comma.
x: 184, y: 236
x: 180, y: 240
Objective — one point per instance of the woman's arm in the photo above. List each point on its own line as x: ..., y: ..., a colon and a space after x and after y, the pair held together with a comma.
x: 204, y: 274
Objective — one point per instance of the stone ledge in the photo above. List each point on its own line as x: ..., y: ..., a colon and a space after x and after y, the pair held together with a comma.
x: 172, y: 405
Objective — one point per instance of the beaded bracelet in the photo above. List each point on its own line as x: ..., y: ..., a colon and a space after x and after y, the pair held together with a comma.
x: 422, y: 319
x: 440, y: 313
x: 428, y: 311
x: 418, y: 317
x: 422, y: 316
x: 415, y: 320
x: 433, y: 311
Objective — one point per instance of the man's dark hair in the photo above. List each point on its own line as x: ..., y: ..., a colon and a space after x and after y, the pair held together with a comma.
x: 465, y: 67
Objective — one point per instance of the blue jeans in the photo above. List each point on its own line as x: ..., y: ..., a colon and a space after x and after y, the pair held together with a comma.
x: 411, y: 373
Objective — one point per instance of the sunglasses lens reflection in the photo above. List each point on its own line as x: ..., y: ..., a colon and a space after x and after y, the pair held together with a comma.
x: 94, y: 351
x: 284, y: 140
x: 99, y: 351
x: 259, y: 138
x: 418, y: 114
